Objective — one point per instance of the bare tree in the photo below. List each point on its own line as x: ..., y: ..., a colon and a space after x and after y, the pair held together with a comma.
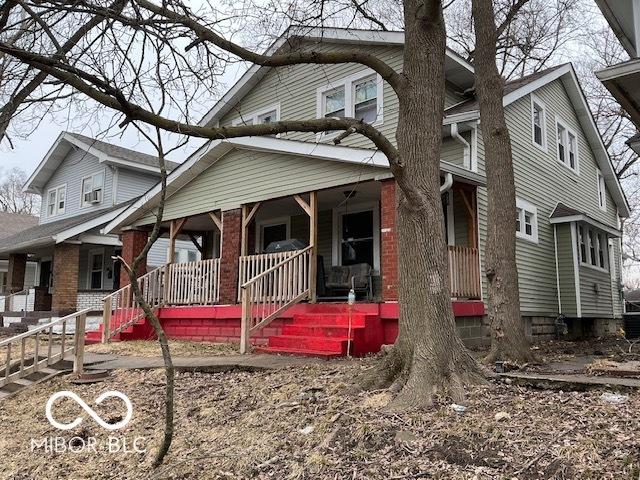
x: 12, y: 198
x: 429, y: 357
x: 508, y: 337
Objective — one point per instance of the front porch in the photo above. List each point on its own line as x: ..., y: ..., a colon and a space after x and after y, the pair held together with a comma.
x: 267, y: 260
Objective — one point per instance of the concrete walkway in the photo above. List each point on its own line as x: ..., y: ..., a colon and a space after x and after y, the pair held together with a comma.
x: 212, y: 364
x: 570, y: 381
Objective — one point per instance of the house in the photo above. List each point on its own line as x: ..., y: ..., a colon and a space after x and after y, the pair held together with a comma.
x: 13, y: 223
x: 245, y: 197
x: 84, y: 183
x: 623, y: 79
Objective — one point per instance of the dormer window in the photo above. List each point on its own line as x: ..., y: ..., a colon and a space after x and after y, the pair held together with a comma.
x: 56, y: 201
x: 92, y: 189
x: 266, y: 115
x: 358, y: 96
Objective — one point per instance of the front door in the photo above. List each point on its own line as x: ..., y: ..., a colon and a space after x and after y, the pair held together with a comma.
x: 356, y: 241
x: 45, y: 275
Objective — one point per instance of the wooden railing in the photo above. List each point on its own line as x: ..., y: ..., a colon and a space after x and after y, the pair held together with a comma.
x: 271, y: 291
x: 253, y: 265
x: 44, y: 345
x: 464, y: 271
x: 194, y: 283
x: 121, y: 309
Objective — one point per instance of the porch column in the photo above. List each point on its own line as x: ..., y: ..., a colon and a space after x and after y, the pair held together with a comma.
x: 388, y: 241
x: 133, y: 242
x: 230, y: 255
x: 16, y: 272
x: 66, y: 262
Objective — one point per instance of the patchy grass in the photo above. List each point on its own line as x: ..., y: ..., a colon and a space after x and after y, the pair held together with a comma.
x: 151, y: 348
x: 250, y: 426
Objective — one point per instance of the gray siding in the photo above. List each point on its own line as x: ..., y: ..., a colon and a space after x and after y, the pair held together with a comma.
x: 566, y: 276
x: 460, y: 221
x: 76, y: 166
x: 131, y: 184
x: 157, y: 255
x: 244, y: 176
x: 595, y: 293
x: 295, y: 89
x: 543, y: 181
x: 83, y: 268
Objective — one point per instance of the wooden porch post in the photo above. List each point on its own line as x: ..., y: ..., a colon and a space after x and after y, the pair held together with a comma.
x: 313, y: 241
x: 247, y: 216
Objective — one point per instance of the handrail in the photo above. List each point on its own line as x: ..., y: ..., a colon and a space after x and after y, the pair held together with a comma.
x: 29, y: 362
x: 8, y: 298
x: 44, y: 326
x: 275, y: 267
x: 268, y: 294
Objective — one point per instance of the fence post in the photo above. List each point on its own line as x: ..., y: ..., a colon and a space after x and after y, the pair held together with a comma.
x: 244, y: 322
x: 78, y: 361
x: 106, y: 319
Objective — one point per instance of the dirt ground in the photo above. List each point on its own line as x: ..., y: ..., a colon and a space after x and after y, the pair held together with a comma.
x: 306, y: 423
x: 178, y: 348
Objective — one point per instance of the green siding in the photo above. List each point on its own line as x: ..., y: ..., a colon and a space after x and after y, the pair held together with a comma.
x: 616, y: 280
x: 595, y: 293
x: 566, y: 273
x: 460, y: 222
x: 543, y: 181
x: 295, y: 89
x: 244, y: 176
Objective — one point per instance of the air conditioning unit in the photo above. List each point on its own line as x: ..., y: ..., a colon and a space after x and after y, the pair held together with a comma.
x: 93, y: 196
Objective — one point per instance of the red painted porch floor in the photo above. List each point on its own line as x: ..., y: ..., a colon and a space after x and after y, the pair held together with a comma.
x: 325, y: 330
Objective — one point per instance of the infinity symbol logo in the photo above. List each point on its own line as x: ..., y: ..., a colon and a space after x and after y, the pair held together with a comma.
x: 89, y: 410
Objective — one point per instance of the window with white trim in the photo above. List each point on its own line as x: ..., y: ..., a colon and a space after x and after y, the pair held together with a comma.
x: 602, y: 192
x: 539, y: 122
x: 266, y: 115
x: 592, y: 245
x: 357, y: 96
x: 56, y: 201
x: 93, y: 189
x: 567, y: 141
x: 526, y: 221
x: 96, y: 266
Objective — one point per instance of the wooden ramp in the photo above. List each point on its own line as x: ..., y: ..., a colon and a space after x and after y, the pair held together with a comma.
x: 43, y: 352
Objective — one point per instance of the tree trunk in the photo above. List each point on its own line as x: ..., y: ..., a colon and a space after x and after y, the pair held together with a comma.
x: 508, y: 337
x: 428, y: 357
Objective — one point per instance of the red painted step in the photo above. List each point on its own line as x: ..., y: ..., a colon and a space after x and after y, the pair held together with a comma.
x: 326, y: 335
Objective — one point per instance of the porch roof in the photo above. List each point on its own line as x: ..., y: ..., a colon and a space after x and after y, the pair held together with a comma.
x: 214, y: 150
x: 49, y: 234
x: 564, y: 214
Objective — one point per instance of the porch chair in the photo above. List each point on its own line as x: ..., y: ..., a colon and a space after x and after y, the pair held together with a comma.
x: 358, y: 277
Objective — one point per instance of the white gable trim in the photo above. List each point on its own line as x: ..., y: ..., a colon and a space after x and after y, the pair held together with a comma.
x: 88, y: 225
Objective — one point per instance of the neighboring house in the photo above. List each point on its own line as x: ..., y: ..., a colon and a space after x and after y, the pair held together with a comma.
x: 340, y: 198
x: 623, y: 79
x: 84, y: 183
x: 13, y: 223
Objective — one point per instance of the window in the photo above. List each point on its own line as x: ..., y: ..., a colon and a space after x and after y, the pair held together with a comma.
x: 567, y: 146
x: 333, y: 103
x: 602, y: 192
x: 539, y: 122
x: 266, y: 115
x: 365, y: 100
x: 592, y: 247
x: 357, y: 96
x: 526, y: 221
x: 96, y: 262
x: 357, y: 244
x: 92, y: 189
x: 56, y: 201
x: 274, y: 230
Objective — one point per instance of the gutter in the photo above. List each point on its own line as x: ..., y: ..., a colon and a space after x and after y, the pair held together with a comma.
x: 448, y: 182
x: 466, y: 161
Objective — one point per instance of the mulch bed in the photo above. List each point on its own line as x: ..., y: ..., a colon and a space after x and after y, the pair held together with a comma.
x: 306, y: 423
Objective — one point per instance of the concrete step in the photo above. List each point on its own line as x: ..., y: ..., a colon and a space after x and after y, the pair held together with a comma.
x: 321, y: 331
x: 297, y: 351
x: 317, y: 344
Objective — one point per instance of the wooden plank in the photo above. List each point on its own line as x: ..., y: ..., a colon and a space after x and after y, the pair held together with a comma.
x: 304, y: 205
x: 78, y: 361
x: 313, y: 242
x: 217, y: 220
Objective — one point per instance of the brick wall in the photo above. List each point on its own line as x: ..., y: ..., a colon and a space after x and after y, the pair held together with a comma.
x: 16, y: 271
x: 230, y: 255
x: 92, y: 300
x: 66, y: 257
x: 133, y: 241
x: 388, y: 241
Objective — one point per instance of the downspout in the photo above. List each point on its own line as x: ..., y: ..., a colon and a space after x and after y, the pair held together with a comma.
x: 466, y: 157
x: 448, y: 182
